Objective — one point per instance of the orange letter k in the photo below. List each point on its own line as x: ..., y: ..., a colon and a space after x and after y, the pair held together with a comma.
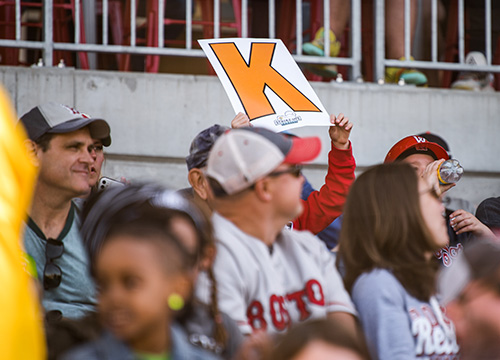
x: 250, y: 81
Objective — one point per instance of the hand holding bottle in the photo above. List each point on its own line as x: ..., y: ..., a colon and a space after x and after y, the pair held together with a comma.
x: 430, y: 175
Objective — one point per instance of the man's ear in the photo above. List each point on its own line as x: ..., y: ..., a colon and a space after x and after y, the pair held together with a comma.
x: 262, y: 190
x: 198, y: 182
x: 32, y: 148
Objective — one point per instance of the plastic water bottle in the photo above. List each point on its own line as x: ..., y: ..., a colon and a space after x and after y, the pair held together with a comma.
x: 449, y: 172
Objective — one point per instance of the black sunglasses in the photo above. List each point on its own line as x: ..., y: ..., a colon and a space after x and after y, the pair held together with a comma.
x: 52, y: 273
x: 295, y: 171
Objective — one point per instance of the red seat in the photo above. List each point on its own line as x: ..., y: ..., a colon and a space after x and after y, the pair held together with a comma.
x: 63, y: 15
x: 63, y: 23
x: 151, y: 28
x: 287, y: 26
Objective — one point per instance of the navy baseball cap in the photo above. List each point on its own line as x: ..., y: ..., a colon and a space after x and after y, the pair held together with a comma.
x: 202, y: 144
x: 56, y: 118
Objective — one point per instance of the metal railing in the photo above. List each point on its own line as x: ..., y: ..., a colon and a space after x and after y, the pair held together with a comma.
x: 381, y: 61
x: 353, y: 61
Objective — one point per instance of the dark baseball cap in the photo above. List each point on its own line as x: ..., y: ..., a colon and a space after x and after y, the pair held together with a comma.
x: 202, y: 144
x: 488, y: 212
x: 435, y: 138
x: 56, y: 118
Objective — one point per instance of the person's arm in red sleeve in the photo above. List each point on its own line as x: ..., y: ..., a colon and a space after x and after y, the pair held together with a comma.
x: 325, y: 205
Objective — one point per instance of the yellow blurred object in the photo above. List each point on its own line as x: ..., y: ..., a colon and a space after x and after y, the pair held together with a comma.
x: 21, y: 324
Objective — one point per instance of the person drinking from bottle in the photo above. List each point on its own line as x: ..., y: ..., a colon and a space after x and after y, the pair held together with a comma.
x: 426, y: 157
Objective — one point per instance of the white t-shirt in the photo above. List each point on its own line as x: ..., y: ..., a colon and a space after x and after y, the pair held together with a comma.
x: 271, y: 288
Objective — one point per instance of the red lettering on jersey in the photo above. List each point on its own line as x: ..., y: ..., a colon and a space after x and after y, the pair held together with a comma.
x: 429, y: 314
x: 279, y: 315
x: 314, y: 292
x: 299, y: 301
x: 413, y: 314
x: 255, y: 315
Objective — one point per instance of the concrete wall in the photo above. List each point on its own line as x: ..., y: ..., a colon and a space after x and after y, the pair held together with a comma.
x: 154, y: 118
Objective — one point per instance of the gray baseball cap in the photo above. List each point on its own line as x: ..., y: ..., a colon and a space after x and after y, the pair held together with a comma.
x: 241, y: 156
x: 56, y: 118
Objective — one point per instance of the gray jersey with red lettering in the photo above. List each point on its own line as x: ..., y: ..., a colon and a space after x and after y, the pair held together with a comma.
x: 270, y: 288
x: 399, y: 326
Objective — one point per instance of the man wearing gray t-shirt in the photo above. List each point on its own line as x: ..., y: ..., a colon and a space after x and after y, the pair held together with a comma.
x: 61, y: 141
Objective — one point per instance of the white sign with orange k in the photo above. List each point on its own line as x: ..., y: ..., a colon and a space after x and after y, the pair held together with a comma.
x: 263, y: 80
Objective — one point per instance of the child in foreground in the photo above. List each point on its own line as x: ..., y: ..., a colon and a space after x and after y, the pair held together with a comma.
x: 143, y: 273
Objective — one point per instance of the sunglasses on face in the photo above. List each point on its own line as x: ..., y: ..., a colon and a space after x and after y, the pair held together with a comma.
x: 295, y: 171
x: 52, y: 273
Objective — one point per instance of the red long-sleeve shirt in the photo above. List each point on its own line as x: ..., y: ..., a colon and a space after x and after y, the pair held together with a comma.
x: 325, y: 205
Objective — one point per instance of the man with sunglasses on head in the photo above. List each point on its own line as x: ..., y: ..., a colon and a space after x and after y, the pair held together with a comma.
x: 62, y: 143
x: 268, y: 277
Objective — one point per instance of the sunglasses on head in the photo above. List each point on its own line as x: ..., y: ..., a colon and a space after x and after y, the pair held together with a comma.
x: 295, y: 170
x: 52, y: 273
